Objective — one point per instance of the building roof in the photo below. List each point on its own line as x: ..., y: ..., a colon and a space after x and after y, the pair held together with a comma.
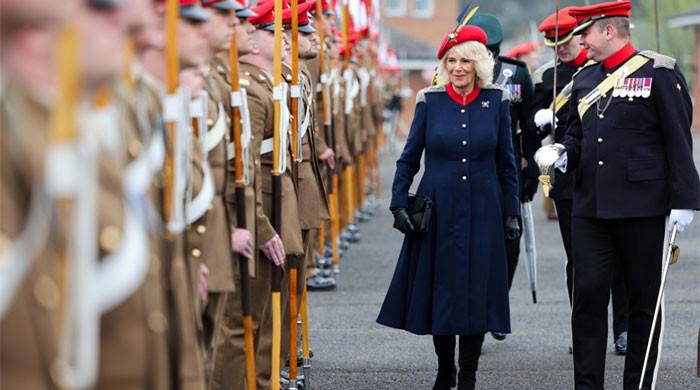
x: 685, y: 19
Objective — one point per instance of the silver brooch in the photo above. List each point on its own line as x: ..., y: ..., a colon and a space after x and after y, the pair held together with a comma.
x: 485, y: 104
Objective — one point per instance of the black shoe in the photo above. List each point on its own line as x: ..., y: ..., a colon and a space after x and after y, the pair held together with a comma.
x: 621, y: 344
x: 320, y: 283
x: 499, y: 336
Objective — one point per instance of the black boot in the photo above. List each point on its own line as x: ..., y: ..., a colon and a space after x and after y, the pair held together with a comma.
x: 447, y: 372
x: 469, y: 352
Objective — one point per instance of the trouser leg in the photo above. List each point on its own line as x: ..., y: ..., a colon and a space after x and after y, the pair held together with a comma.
x: 563, y: 207
x: 620, y: 301
x: 640, y: 243
x: 595, y: 252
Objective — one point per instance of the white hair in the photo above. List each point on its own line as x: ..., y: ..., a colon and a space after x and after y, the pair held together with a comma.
x: 476, y: 52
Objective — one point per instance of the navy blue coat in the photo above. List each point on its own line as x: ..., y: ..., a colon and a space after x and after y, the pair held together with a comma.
x: 635, y: 159
x: 453, y: 279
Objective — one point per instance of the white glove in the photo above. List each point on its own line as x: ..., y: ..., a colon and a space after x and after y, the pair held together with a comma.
x: 682, y: 218
x: 547, y: 156
x: 544, y: 117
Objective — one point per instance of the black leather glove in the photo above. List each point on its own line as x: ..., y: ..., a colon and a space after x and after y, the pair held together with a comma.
x: 512, y: 228
x: 402, y: 222
x: 528, y: 190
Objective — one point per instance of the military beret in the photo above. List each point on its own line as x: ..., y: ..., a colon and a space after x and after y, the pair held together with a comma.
x: 226, y: 5
x: 192, y: 10
x: 461, y: 34
x: 265, y: 19
x: 491, y: 25
x: 567, y: 23
x: 586, y: 16
x: 303, y: 12
x: 245, y: 11
x: 105, y: 3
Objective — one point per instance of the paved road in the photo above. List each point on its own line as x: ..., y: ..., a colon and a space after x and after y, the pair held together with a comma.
x: 353, y: 352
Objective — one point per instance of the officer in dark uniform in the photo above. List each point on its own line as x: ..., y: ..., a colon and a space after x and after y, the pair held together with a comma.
x: 629, y: 139
x: 514, y: 77
x: 570, y: 57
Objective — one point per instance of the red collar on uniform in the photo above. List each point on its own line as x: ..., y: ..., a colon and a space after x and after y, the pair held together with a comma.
x: 621, y: 56
x: 579, y: 60
x: 461, y: 99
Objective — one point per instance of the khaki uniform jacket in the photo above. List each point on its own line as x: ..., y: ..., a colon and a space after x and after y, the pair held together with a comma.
x: 338, y: 110
x: 261, y: 105
x: 211, y: 234
x: 313, y: 203
x: 314, y: 69
x: 355, y: 124
x: 253, y: 200
x: 28, y: 330
x: 181, y: 275
x: 135, y: 347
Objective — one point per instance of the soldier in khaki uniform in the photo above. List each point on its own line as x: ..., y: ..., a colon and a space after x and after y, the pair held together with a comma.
x: 229, y: 361
x: 29, y: 317
x: 135, y: 343
x: 187, y: 275
x: 257, y: 68
x: 215, y: 231
x: 311, y: 194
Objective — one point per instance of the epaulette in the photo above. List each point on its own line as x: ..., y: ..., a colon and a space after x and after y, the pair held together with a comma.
x: 660, y: 60
x: 584, y: 66
x: 496, y: 87
x: 512, y: 61
x: 420, y: 96
x: 539, y: 73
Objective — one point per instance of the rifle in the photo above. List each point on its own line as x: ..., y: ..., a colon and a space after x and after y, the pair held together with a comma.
x: 237, y: 102
x: 296, y: 157
x: 330, y: 138
x: 276, y: 279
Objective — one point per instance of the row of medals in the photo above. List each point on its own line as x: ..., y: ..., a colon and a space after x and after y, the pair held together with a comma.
x: 633, y: 88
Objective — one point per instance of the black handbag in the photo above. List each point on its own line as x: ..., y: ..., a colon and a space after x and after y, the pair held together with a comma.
x: 420, y: 208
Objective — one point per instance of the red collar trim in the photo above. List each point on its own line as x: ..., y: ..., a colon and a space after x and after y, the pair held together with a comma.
x: 461, y: 99
x: 621, y: 56
x: 579, y: 60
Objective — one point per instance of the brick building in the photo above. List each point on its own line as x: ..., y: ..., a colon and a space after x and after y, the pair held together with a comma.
x: 414, y: 30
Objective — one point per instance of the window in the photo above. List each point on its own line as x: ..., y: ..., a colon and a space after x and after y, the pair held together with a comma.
x: 394, y: 8
x: 423, y: 8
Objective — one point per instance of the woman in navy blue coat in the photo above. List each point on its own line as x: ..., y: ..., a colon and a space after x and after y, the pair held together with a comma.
x: 453, y: 279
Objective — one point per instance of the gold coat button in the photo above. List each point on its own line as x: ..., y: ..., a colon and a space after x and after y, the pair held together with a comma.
x: 110, y: 238
x: 210, y: 122
x: 210, y: 207
x: 196, y: 253
x: 134, y: 148
x: 464, y: 161
x: 600, y: 163
x: 201, y: 229
x: 464, y: 125
x: 464, y: 178
x: 157, y: 322
x: 46, y: 292
x: 464, y: 142
x: 463, y: 111
x: 600, y: 140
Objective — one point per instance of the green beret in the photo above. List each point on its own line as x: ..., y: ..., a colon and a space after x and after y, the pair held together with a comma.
x: 491, y: 25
